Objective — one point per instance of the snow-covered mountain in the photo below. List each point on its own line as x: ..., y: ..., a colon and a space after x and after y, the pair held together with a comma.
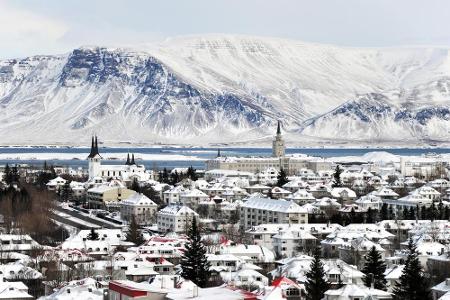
x: 232, y: 89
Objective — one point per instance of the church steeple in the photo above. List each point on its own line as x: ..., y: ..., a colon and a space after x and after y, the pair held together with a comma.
x: 91, y: 154
x: 128, y: 159
x: 218, y: 152
x: 278, y: 147
x: 94, y: 159
x: 132, y: 160
x: 94, y: 148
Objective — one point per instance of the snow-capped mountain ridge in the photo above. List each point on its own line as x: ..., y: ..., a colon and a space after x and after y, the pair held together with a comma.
x: 214, y: 89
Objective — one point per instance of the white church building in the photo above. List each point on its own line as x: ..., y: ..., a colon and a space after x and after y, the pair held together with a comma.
x: 127, y: 172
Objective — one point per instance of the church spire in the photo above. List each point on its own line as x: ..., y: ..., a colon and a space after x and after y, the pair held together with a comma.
x: 128, y: 159
x: 94, y: 148
x: 218, y: 152
x: 132, y: 160
x: 91, y: 154
x: 279, y: 128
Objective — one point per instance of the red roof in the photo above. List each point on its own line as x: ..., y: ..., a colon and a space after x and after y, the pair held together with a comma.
x: 284, y: 280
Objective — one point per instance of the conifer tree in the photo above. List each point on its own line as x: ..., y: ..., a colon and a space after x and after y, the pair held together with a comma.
x: 412, y: 284
x: 192, y: 173
x: 432, y: 212
x: 440, y: 210
x: 391, y: 212
x: 316, y: 284
x: 405, y: 213
x: 135, y: 186
x: 66, y: 192
x: 369, y: 214
x: 282, y: 178
x: 165, y: 176
x: 446, y: 213
x: 7, y: 175
x: 134, y: 234
x: 384, y: 212
x: 174, y: 178
x: 374, y: 269
x: 411, y: 213
x: 15, y: 176
x: 337, y: 177
x: 93, y: 235
x: 194, y: 264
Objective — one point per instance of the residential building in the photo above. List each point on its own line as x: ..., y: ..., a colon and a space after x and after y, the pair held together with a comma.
x: 175, y: 218
x: 258, y: 210
x: 140, y: 206
x: 106, y: 196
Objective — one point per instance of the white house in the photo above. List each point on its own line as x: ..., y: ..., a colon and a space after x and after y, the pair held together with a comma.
x: 140, y: 206
x: 175, y: 218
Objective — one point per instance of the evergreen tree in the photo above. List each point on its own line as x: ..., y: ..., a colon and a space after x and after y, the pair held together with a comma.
x: 374, y: 269
x: 282, y: 178
x: 440, y: 211
x: 405, y: 213
x: 370, y: 215
x: 337, y: 177
x: 192, y: 173
x: 93, y: 235
x: 165, y: 176
x: 66, y: 192
x: 15, y: 176
x: 194, y: 264
x: 432, y: 212
x: 384, y: 212
x: 446, y: 213
x: 315, y: 284
x: 391, y: 212
x: 423, y: 213
x: 134, y: 234
x: 412, y: 213
x: 7, y: 176
x: 412, y: 284
x: 135, y: 186
x: 174, y: 178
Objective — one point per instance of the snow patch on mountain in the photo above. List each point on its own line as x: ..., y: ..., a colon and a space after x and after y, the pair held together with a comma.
x: 227, y: 89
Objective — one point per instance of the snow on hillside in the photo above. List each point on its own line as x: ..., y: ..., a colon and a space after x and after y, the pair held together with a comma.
x: 231, y: 89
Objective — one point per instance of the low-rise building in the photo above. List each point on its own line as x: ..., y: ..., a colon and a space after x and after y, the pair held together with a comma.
x: 106, y: 196
x: 258, y: 210
x: 140, y: 206
x: 175, y: 218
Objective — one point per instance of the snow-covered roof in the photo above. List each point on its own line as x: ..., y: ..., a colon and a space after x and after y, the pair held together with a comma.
x: 138, y: 199
x: 350, y: 291
x: 274, y: 205
x: 76, y: 290
x: 385, y: 192
x: 339, y: 192
x: 176, y: 210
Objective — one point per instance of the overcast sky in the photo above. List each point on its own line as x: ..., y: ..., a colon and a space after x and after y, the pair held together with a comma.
x: 30, y: 27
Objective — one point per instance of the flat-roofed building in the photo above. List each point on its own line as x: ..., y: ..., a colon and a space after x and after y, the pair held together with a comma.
x: 258, y: 210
